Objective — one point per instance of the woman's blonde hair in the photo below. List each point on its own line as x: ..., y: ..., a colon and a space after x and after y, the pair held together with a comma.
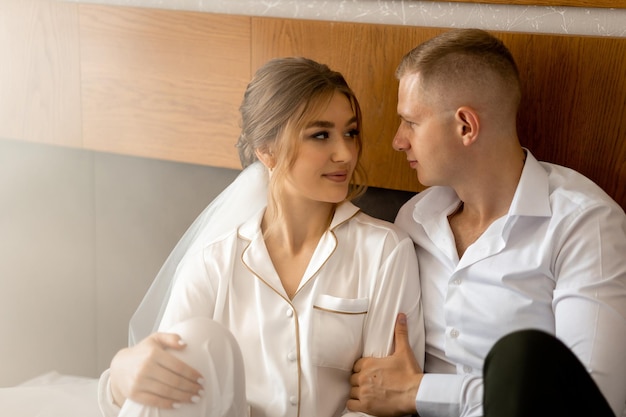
x: 284, y: 95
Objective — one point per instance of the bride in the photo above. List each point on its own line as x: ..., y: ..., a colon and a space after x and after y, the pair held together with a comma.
x: 268, y: 311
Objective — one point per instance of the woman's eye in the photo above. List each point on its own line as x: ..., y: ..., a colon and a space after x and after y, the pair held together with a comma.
x: 320, y: 135
x: 353, y: 133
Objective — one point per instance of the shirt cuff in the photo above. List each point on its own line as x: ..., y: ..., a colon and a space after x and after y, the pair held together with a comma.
x: 107, y: 405
x: 438, y: 395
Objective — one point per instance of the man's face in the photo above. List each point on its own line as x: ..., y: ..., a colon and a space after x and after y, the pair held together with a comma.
x: 426, y: 131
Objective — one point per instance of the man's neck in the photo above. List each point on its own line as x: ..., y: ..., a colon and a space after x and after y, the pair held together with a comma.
x: 485, y: 197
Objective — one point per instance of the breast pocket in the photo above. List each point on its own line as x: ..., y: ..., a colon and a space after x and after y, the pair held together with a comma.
x: 338, y: 330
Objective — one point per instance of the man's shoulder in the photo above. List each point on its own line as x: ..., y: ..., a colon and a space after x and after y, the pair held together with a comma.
x: 567, y: 185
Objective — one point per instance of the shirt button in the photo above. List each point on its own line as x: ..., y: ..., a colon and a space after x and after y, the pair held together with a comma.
x: 454, y: 333
x: 457, y: 282
x: 293, y: 400
x: 467, y: 369
x: 291, y: 356
x: 289, y: 312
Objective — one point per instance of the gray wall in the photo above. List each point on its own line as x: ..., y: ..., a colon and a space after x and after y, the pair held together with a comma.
x: 82, y: 234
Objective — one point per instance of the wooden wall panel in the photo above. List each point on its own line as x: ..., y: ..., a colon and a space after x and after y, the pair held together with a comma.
x: 167, y: 84
x: 574, y: 109
x: 367, y: 55
x: 163, y: 84
x: 574, y: 91
x: 39, y: 72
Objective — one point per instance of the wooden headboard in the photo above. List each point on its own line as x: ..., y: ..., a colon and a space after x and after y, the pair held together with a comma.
x: 167, y: 84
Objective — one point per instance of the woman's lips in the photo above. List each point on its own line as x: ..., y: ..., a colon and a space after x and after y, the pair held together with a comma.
x: 340, y: 176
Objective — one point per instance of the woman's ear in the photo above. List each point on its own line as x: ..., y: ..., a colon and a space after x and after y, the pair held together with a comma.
x: 266, y: 157
x: 468, y: 124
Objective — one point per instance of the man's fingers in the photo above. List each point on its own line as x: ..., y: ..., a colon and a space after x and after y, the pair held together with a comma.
x: 354, y: 380
x: 401, y: 334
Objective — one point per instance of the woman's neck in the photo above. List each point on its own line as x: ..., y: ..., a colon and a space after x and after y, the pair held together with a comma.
x: 291, y: 239
x: 298, y: 226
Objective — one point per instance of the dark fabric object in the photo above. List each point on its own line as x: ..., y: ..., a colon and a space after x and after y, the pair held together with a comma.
x: 382, y: 203
x: 532, y: 373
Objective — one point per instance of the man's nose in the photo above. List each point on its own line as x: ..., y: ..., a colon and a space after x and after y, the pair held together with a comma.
x: 400, y: 142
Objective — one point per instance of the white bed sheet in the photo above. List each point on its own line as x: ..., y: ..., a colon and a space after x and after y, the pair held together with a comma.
x: 51, y: 395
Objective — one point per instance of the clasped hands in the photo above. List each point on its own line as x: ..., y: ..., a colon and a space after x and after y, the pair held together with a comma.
x: 387, y: 386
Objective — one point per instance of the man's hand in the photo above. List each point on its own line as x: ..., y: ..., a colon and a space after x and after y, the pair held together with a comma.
x: 387, y: 386
x: 149, y: 375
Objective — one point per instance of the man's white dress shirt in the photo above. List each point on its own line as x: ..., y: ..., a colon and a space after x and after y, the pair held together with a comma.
x: 299, y: 353
x: 555, y: 262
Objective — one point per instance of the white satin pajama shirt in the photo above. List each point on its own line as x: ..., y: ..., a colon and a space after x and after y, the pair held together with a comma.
x: 299, y: 353
x: 556, y: 262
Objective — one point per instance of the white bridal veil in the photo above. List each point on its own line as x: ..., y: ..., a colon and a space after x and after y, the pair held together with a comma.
x: 246, y: 195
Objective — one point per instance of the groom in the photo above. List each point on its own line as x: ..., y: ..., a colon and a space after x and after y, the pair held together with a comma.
x: 505, y: 243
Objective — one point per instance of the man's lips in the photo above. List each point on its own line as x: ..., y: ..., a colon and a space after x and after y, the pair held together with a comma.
x: 413, y: 163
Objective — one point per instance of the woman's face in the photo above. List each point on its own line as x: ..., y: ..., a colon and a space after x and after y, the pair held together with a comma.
x: 327, y: 155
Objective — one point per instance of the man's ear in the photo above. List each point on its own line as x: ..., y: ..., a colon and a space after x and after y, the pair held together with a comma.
x: 468, y: 124
x: 266, y: 157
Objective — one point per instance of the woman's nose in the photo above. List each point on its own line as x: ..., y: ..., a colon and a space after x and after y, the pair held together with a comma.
x: 344, y: 151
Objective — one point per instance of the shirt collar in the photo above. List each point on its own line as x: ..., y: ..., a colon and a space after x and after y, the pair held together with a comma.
x: 251, y: 227
x: 531, y: 198
x: 437, y: 202
x: 344, y: 212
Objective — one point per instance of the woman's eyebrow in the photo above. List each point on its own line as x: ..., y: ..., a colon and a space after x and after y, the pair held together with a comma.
x: 327, y: 124
x: 320, y: 123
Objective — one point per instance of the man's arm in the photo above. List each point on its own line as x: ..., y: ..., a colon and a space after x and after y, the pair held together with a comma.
x: 590, y: 297
x: 387, y: 386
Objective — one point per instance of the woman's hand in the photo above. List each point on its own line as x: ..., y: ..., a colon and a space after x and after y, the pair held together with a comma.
x: 150, y: 375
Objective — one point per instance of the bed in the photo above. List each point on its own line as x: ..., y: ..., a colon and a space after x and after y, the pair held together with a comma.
x: 52, y: 395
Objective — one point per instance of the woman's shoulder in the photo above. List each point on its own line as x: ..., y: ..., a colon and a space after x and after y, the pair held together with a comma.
x: 374, y: 228
x: 243, y: 232
x: 378, y: 224
x: 376, y: 240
